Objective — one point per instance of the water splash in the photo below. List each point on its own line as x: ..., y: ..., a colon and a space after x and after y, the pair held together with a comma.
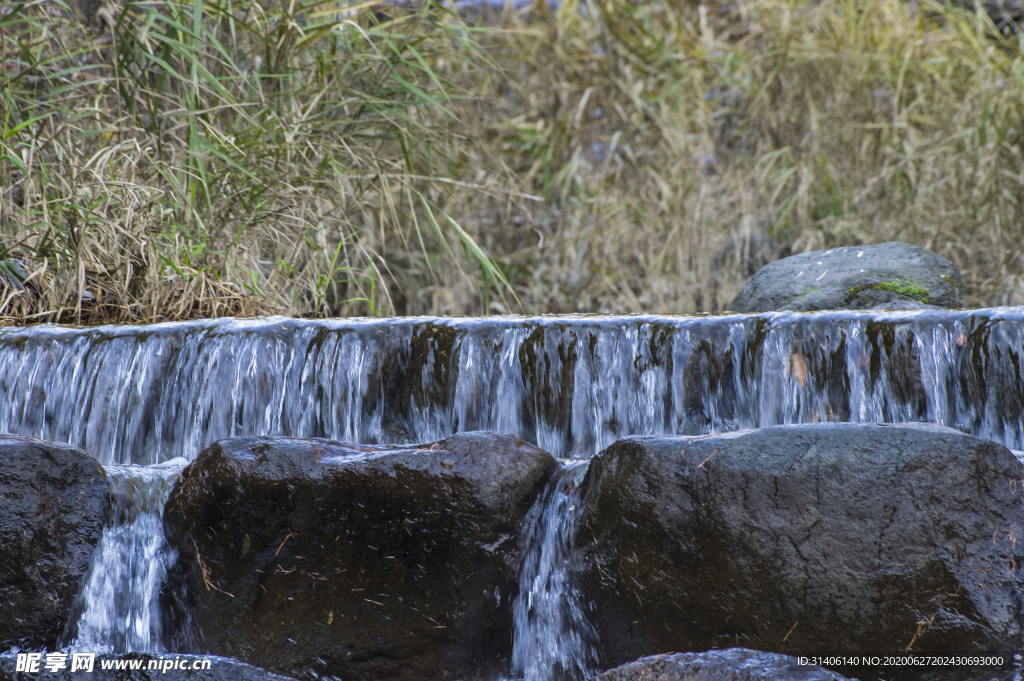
x: 553, y: 641
x: 118, y: 607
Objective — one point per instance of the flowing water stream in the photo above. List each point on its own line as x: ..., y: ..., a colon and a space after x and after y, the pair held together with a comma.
x: 552, y: 640
x: 118, y: 608
x: 146, y: 400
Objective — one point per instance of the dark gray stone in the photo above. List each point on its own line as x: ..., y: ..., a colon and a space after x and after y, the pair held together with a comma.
x: 831, y: 537
x: 220, y: 669
x: 731, y: 664
x: 314, y: 558
x: 54, y: 501
x: 892, y: 275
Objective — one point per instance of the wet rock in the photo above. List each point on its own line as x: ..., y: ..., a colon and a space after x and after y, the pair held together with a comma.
x: 892, y: 275
x: 831, y: 537
x: 311, y: 557
x: 53, y: 505
x: 731, y: 664
x: 219, y: 669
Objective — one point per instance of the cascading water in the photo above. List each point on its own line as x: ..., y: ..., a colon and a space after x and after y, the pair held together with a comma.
x: 552, y: 639
x: 572, y: 385
x: 118, y: 608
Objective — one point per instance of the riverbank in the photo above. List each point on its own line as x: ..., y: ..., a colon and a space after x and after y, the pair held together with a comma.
x: 180, y: 161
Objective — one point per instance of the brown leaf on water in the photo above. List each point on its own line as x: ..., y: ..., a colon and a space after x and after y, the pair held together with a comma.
x: 960, y: 338
x: 798, y: 368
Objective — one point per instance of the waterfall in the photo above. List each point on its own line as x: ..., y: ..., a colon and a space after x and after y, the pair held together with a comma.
x: 572, y: 385
x: 145, y: 400
x: 118, y: 607
x: 553, y: 640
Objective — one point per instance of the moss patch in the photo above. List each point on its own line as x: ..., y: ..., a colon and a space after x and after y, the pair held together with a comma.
x: 789, y: 300
x: 908, y: 288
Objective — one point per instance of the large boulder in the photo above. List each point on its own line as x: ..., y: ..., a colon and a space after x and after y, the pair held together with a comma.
x: 315, y: 558
x: 54, y: 502
x: 731, y: 664
x: 831, y: 537
x: 892, y: 275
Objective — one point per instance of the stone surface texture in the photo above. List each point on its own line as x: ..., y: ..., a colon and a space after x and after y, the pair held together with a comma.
x: 314, y: 558
x: 830, y: 537
x: 731, y: 664
x: 891, y: 275
x: 54, y: 502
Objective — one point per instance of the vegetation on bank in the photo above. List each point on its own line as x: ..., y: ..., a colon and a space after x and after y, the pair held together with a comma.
x: 174, y: 160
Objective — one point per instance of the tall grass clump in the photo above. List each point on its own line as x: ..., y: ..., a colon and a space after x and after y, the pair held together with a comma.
x: 186, y: 159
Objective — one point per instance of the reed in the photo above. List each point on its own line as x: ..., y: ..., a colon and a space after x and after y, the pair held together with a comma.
x: 206, y: 159
x: 179, y: 160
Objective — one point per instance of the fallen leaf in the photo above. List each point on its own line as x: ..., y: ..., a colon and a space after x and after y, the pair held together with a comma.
x: 798, y: 367
x: 960, y: 338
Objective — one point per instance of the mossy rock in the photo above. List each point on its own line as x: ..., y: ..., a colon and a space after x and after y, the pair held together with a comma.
x: 890, y: 276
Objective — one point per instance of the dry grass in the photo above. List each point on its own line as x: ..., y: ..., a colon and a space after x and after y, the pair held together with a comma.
x: 681, y: 146
x: 604, y: 157
x: 192, y: 160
